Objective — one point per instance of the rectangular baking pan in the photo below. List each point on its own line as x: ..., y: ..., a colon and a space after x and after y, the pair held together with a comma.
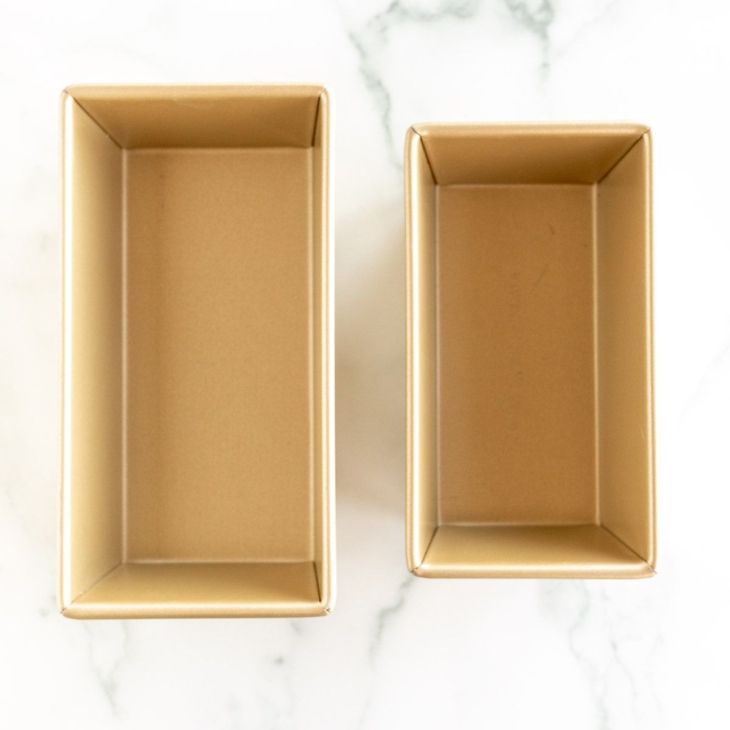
x: 197, y: 444
x: 530, y: 400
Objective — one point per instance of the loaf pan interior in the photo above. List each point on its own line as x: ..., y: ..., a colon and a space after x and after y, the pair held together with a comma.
x: 197, y: 352
x: 530, y: 374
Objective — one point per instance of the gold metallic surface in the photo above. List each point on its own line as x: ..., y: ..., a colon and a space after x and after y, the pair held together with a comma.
x: 198, y: 431
x: 530, y: 403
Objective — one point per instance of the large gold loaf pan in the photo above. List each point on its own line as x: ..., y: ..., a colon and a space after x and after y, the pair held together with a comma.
x: 197, y: 458
x: 530, y: 406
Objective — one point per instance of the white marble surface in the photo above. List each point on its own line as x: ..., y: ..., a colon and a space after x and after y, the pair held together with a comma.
x: 397, y: 652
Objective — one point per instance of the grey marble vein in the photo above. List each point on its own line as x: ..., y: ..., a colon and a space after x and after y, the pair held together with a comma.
x: 297, y: 626
x: 572, y: 602
x: 375, y: 35
x: 590, y: 669
x: 108, y: 648
x: 536, y: 20
x: 280, y: 711
x: 589, y: 24
x: 383, y: 620
x: 595, y: 637
x: 657, y: 646
x: 48, y: 606
x: 387, y: 614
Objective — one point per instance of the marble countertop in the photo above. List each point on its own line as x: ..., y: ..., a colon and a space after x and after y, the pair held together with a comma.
x: 398, y: 652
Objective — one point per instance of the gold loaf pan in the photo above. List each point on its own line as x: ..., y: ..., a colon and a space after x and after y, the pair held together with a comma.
x: 530, y: 406
x: 197, y: 456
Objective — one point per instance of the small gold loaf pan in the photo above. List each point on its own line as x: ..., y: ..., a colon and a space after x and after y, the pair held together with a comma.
x: 197, y: 456
x: 530, y: 405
